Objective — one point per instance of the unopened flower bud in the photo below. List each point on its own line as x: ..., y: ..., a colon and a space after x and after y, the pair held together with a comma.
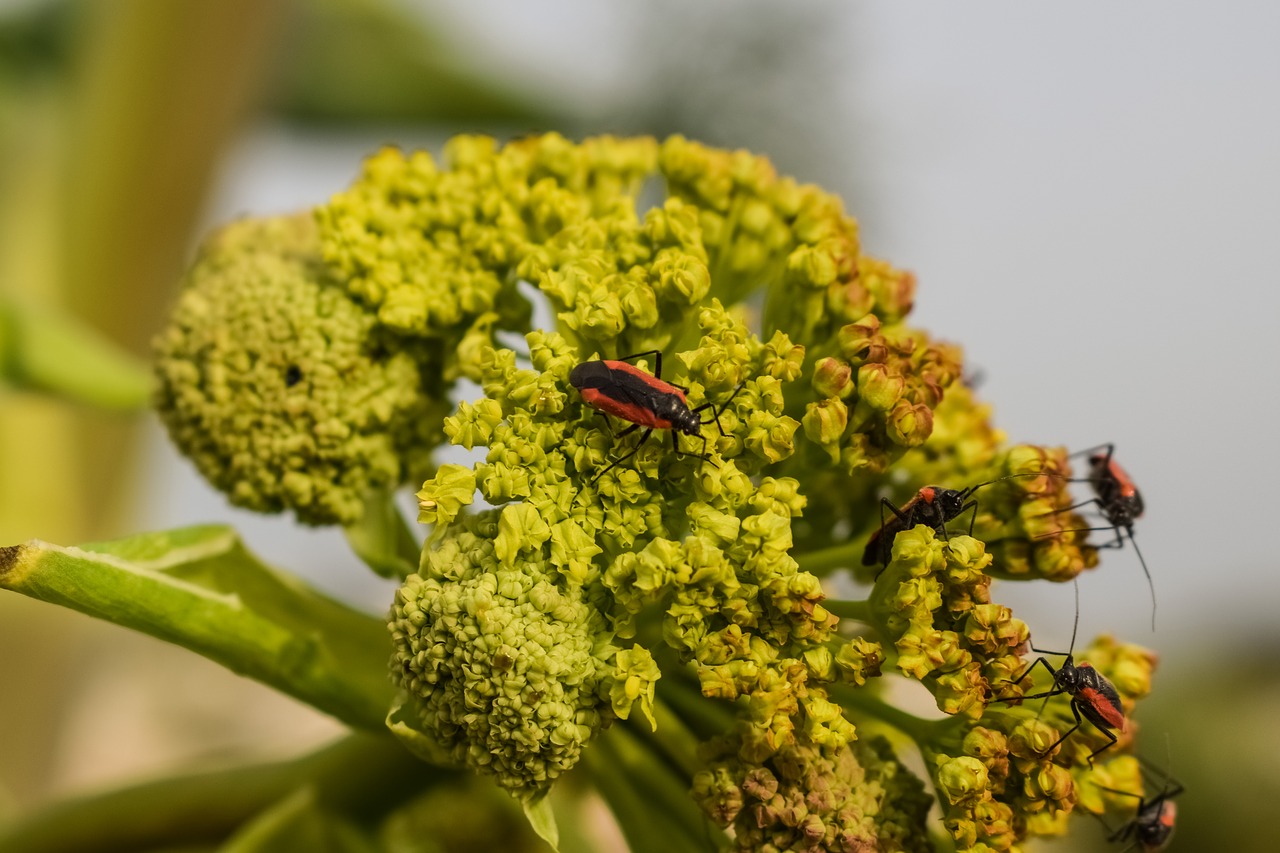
x: 910, y: 425
x: 962, y: 779
x: 824, y: 422
x: 857, y: 338
x: 833, y: 377
x: 880, y: 389
x: 443, y: 496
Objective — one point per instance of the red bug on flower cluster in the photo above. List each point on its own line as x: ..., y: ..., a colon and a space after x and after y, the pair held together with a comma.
x: 1093, y: 697
x: 645, y: 400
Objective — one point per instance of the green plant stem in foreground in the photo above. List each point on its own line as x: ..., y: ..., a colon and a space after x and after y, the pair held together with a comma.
x: 920, y: 730
x: 382, y: 539
x: 199, y: 588
x: 42, y: 350
x: 671, y: 736
x: 362, y: 777
x: 859, y: 610
x: 647, y: 797
x: 824, y: 561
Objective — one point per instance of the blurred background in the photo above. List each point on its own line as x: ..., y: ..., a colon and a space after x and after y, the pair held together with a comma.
x: 1089, y: 196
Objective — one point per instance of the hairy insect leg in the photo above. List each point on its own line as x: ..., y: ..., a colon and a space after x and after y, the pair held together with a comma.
x: 970, y: 507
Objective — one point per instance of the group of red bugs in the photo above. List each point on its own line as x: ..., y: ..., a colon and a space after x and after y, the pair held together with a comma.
x: 646, y: 401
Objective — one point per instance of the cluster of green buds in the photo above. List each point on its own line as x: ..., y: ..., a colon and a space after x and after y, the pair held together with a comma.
x: 572, y: 576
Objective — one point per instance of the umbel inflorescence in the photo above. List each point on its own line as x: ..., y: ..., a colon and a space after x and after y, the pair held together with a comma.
x: 313, y: 362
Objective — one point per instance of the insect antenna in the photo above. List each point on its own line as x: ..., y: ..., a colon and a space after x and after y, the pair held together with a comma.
x: 1070, y: 650
x: 968, y: 492
x: 1150, y: 584
x: 1076, y: 625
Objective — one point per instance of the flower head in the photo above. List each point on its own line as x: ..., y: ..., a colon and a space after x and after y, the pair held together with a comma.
x: 282, y: 389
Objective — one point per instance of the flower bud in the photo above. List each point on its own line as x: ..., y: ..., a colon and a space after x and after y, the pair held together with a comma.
x: 880, y: 389
x: 833, y: 378
x: 910, y: 425
x: 962, y: 779
x: 824, y: 422
x: 520, y: 528
x: 443, y: 496
x: 856, y: 339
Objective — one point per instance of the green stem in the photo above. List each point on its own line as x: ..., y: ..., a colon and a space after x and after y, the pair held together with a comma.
x: 859, y: 610
x: 382, y: 539
x: 200, y: 589
x: 824, y: 561
x: 649, y: 801
x: 707, y: 717
x: 361, y: 776
x: 918, y: 729
x: 671, y: 736
x: 42, y: 350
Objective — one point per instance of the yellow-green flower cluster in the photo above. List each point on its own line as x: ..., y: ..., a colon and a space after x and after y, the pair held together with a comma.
x: 307, y: 365
x: 876, y: 392
x: 874, y: 382
x: 813, y: 798
x: 1024, y: 517
x: 998, y: 780
x: 996, y: 788
x: 507, y: 668
x: 933, y: 602
x: 282, y: 389
x: 697, y: 541
x: 434, y: 248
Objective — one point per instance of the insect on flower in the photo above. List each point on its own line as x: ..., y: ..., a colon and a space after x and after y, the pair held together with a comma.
x: 645, y: 400
x: 1152, y: 824
x: 1093, y: 697
x: 934, y: 506
x: 1119, y: 501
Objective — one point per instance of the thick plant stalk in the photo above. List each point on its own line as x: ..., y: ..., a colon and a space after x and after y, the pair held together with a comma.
x: 199, y: 588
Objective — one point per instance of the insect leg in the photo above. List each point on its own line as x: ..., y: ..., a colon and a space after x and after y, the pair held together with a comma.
x: 1073, y: 506
x: 624, y: 457
x: 657, y: 360
x: 1109, y: 447
x: 1111, y: 738
x: 1075, y: 710
x: 972, y: 508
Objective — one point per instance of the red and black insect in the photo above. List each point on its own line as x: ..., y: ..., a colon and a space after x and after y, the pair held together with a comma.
x: 1119, y: 501
x: 1152, y: 824
x: 934, y: 506
x: 1093, y: 697
x: 644, y: 400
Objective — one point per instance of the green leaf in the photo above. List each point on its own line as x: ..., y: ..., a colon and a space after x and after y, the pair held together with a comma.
x: 543, y: 820
x: 382, y: 540
x: 41, y: 350
x: 200, y: 588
